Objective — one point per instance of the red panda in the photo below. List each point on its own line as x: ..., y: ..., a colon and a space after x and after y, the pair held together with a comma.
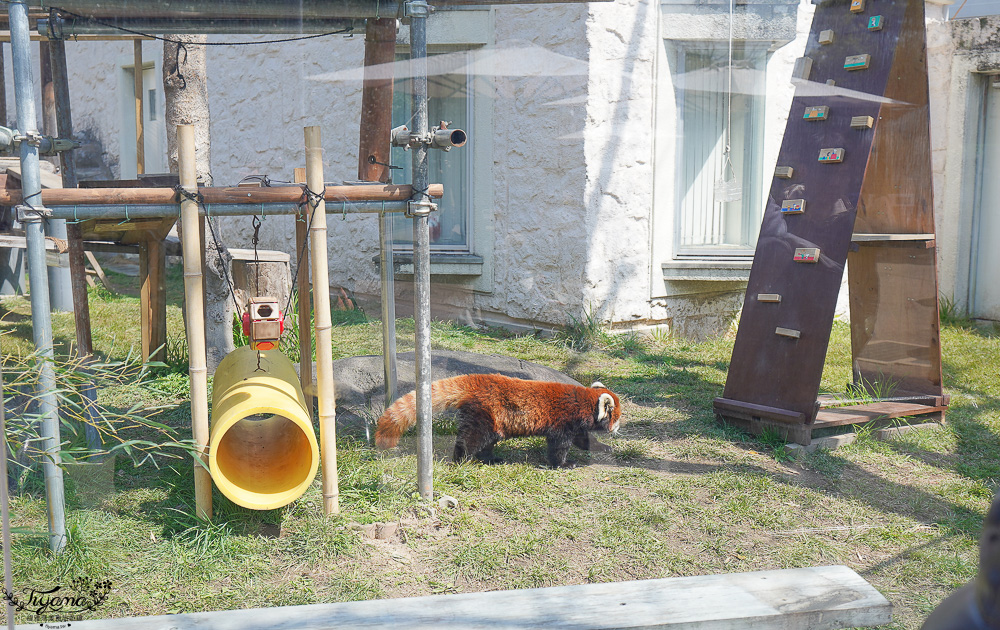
x: 492, y: 407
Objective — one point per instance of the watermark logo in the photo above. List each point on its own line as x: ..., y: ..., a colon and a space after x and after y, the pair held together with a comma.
x: 82, y: 594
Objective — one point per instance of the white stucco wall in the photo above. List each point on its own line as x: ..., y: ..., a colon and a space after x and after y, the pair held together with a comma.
x: 573, y: 216
x: 960, y: 55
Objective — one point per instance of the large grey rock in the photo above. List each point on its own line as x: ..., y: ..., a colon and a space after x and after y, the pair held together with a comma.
x: 360, y: 380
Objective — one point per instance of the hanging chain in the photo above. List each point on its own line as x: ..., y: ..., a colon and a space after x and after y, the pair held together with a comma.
x: 256, y: 257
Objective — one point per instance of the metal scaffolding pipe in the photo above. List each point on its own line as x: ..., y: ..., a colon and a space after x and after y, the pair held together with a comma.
x: 65, y: 28
x: 60, y: 285
x: 419, y: 10
x: 252, y: 9
x: 41, y: 316
x: 130, y: 212
x: 77, y: 270
x: 335, y: 195
x: 388, y: 303
x: 374, y: 153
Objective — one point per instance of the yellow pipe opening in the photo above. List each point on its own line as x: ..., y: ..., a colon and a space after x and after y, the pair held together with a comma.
x: 262, y: 450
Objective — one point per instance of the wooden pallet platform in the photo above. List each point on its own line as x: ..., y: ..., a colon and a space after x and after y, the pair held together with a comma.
x: 863, y: 414
x: 819, y: 598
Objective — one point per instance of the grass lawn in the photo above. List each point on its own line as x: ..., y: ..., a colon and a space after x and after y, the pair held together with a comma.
x: 679, y: 494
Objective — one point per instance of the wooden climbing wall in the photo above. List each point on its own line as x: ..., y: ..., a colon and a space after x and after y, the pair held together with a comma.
x: 853, y: 183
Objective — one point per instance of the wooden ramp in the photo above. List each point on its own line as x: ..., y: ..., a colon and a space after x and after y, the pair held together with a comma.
x: 816, y: 598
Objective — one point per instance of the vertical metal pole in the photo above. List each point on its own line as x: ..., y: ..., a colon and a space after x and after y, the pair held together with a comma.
x: 77, y: 269
x: 419, y: 10
x: 388, y: 306
x: 373, y: 156
x: 8, y: 569
x: 41, y: 316
x: 194, y: 305
x: 11, y: 260
x: 3, y: 92
x: 60, y: 286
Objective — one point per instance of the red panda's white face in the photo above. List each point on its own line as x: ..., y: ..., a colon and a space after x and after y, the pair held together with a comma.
x: 608, y: 411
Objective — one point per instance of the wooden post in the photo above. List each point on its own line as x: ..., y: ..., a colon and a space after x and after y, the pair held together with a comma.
x: 48, y: 91
x: 376, y: 103
x: 194, y: 307
x: 302, y: 284
x: 321, y: 312
x: 140, y: 138
x: 152, y: 298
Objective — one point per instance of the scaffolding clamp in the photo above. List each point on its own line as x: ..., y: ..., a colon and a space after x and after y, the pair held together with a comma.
x: 417, y: 9
x: 416, y: 209
x: 26, y: 213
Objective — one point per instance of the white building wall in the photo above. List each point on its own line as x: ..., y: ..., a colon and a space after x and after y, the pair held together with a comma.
x: 574, y: 159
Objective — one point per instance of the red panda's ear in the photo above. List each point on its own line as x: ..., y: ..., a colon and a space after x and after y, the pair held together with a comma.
x: 605, y: 407
x: 598, y: 384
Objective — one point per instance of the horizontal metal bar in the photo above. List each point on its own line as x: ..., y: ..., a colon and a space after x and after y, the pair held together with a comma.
x: 72, y: 27
x: 126, y: 212
x: 256, y: 9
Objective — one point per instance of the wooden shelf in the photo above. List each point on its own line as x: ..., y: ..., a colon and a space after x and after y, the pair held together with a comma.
x: 861, y: 414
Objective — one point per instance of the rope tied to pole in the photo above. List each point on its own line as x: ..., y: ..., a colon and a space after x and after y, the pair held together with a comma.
x: 312, y: 198
x: 221, y: 267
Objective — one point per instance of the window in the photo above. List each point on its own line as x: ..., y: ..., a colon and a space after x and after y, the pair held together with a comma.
x: 707, y: 224
x: 449, y: 100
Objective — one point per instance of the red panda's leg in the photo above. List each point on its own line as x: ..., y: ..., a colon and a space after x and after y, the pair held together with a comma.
x: 587, y: 442
x: 558, y: 448
x: 474, y: 434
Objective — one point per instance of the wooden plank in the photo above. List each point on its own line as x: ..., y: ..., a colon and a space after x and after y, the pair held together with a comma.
x: 263, y: 255
x: 751, y: 409
x: 895, y: 338
x: 97, y: 268
x: 828, y: 400
x: 153, y: 299
x: 860, y: 414
x: 866, y: 238
x: 818, y: 598
x: 234, y: 194
x: 140, y: 134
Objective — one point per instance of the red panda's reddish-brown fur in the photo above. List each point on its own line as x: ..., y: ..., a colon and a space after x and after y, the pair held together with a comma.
x: 492, y: 407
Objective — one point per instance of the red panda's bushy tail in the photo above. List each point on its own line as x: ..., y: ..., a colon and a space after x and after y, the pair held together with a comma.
x: 402, y: 414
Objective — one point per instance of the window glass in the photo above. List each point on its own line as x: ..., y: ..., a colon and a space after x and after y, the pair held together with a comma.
x: 449, y: 100
x: 718, y: 192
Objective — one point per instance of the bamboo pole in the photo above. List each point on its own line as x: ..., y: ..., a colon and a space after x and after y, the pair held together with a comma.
x: 194, y: 289
x: 235, y: 195
x: 324, y: 342
x: 140, y: 136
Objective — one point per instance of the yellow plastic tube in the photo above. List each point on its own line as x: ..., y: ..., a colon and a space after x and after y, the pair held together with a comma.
x: 262, y: 450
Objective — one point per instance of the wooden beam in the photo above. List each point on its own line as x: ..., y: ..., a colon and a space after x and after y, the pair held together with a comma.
x: 819, y: 598
x: 97, y: 268
x: 140, y: 137
x: 376, y: 103
x: 153, y: 299
x: 235, y: 194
